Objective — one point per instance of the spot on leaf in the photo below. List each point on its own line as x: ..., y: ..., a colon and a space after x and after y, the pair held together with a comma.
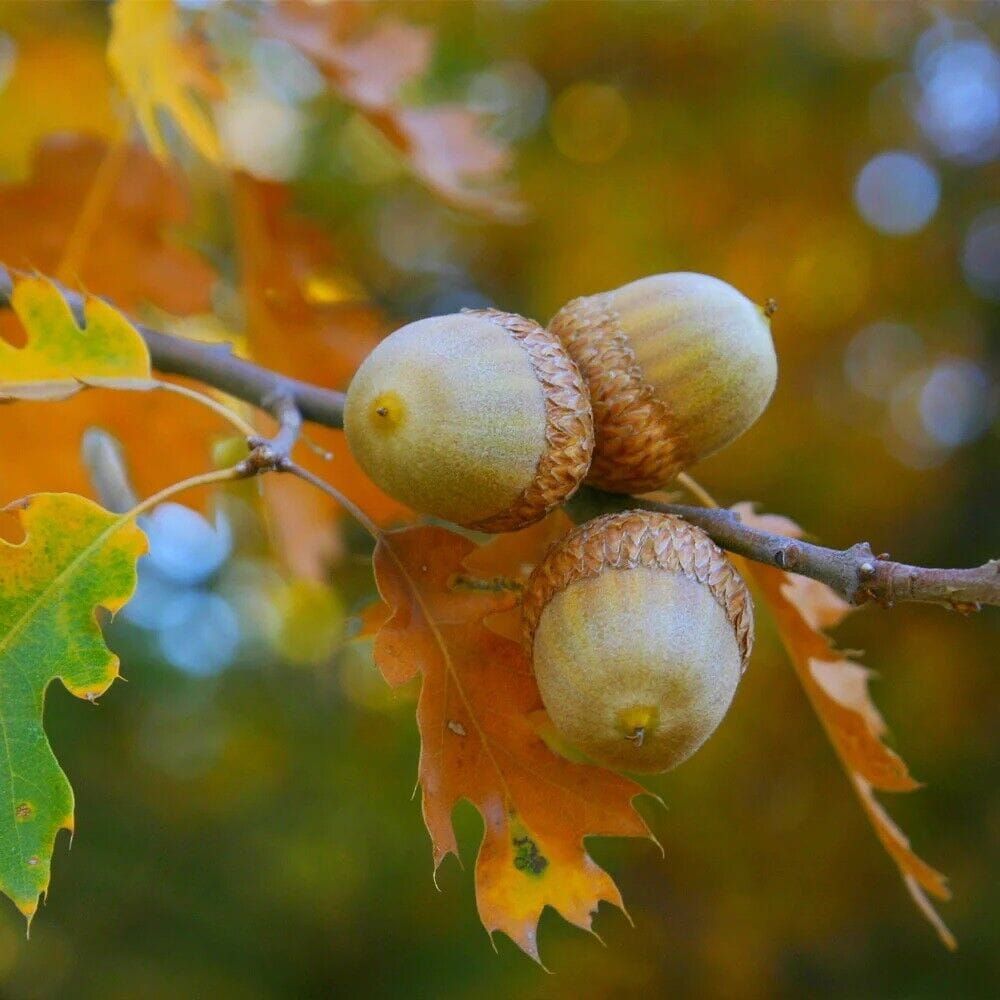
x: 527, y: 857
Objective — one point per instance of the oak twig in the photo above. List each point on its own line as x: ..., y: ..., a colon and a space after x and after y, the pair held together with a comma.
x: 856, y: 573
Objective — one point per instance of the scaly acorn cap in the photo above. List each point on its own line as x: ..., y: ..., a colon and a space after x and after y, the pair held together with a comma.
x: 480, y: 418
x: 639, y: 629
x: 678, y: 366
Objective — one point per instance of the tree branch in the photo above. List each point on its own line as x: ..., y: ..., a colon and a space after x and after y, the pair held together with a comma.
x: 856, y: 574
x: 217, y: 366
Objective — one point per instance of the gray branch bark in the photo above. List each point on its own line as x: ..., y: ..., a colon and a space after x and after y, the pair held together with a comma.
x: 855, y: 573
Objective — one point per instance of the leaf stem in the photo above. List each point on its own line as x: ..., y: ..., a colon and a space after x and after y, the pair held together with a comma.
x: 349, y: 505
x: 204, y: 479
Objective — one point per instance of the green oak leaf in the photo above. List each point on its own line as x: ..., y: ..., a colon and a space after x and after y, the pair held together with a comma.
x: 75, y: 557
x: 59, y: 358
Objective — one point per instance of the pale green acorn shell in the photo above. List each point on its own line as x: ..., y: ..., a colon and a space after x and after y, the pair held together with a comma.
x: 678, y: 366
x: 640, y: 629
x: 479, y: 418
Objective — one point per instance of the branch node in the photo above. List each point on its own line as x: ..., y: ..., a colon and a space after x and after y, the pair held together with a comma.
x: 788, y: 557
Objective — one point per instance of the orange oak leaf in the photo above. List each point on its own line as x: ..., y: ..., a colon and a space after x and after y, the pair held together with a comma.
x: 476, y: 716
x: 297, y: 325
x: 124, y: 251
x: 837, y: 688
x: 136, y: 260
x: 444, y: 145
x: 505, y: 563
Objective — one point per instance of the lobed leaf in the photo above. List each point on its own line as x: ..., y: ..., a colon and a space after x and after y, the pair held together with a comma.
x: 837, y: 688
x: 75, y: 557
x: 478, y: 720
x: 59, y: 358
x: 161, y: 67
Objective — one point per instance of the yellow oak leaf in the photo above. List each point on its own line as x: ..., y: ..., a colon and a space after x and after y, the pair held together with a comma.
x: 60, y: 358
x: 163, y: 67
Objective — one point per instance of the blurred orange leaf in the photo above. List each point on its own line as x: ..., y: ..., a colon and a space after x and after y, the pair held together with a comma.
x: 837, y: 687
x: 138, y: 262
x: 477, y: 716
x: 444, y: 145
x: 161, y: 66
x: 319, y: 338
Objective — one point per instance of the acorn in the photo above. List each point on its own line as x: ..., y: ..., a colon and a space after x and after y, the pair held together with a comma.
x: 639, y: 629
x: 480, y: 418
x: 678, y: 365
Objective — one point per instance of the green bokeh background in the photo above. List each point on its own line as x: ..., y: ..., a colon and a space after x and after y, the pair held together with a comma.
x: 254, y: 834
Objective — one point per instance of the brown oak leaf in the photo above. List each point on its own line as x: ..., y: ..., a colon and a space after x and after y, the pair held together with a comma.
x: 837, y: 688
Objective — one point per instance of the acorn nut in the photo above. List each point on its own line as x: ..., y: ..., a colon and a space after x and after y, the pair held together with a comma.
x: 678, y: 365
x: 640, y: 629
x: 480, y: 418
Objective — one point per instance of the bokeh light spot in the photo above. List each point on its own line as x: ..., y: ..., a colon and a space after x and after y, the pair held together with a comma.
x: 515, y: 97
x: 183, y: 546
x: 981, y: 254
x: 206, y: 639
x: 262, y: 135
x: 959, y: 104
x: 955, y: 403
x: 897, y: 193
x: 8, y: 56
x: 879, y: 355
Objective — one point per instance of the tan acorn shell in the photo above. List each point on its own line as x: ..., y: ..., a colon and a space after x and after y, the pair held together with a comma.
x: 641, y: 538
x: 638, y: 450
x: 569, y: 426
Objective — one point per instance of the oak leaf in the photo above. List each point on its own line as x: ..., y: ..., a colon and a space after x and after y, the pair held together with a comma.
x: 75, y: 557
x: 476, y: 716
x: 162, y: 66
x: 133, y: 258
x: 837, y: 688
x: 59, y: 358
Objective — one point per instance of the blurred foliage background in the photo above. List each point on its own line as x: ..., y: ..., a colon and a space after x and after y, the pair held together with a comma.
x: 245, y: 825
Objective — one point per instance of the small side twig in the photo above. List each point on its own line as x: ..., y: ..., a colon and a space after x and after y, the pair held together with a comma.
x: 274, y: 453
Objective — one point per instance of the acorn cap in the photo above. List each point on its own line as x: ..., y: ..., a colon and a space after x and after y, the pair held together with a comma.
x: 569, y: 425
x: 641, y: 538
x: 637, y: 448
x: 678, y: 365
x: 488, y: 432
